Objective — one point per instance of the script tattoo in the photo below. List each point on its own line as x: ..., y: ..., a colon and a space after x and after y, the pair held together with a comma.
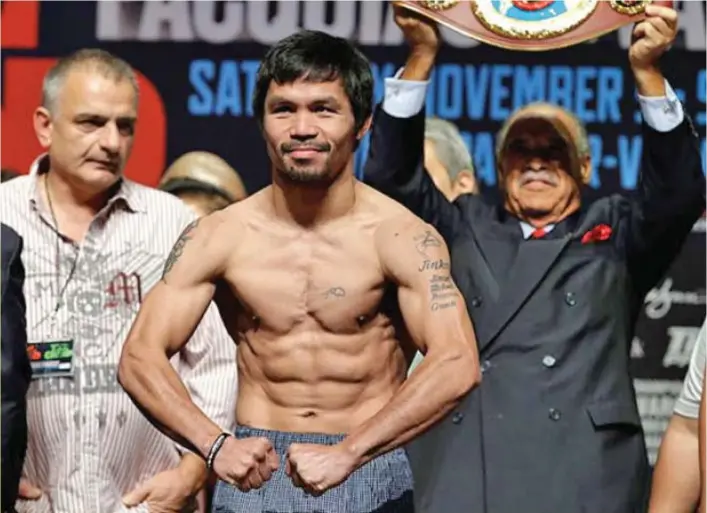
x: 433, y: 265
x: 335, y: 292
x: 444, y: 293
x: 425, y: 241
x: 178, y: 247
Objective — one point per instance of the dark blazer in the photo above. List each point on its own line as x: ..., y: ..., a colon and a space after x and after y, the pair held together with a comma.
x: 554, y: 426
x: 16, y: 372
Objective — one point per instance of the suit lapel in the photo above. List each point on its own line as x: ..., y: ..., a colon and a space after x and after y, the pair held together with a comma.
x: 484, y: 273
x: 533, y: 261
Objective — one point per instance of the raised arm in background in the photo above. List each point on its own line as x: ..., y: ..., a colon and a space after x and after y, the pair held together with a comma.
x: 395, y: 164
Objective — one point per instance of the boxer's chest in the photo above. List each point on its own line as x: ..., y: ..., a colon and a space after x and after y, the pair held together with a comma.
x: 332, y: 279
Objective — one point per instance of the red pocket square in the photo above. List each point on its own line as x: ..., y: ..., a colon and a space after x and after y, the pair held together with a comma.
x: 599, y: 232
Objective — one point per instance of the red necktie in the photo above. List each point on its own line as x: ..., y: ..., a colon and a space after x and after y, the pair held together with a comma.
x: 538, y: 233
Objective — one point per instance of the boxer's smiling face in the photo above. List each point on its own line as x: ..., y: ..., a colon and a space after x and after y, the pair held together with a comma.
x: 310, y: 131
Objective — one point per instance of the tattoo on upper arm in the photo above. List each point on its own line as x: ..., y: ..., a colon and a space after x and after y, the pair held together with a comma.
x: 335, y: 292
x: 433, y: 265
x: 178, y: 247
x: 425, y: 241
x: 443, y: 293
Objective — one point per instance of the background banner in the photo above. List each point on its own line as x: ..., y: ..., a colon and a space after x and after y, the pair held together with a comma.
x: 198, y: 61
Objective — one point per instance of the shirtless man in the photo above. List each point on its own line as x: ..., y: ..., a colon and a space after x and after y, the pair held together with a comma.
x: 328, y: 288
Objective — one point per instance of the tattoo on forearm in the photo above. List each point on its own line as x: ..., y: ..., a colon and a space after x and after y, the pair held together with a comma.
x: 178, y: 247
x: 425, y: 241
x: 443, y: 293
x: 335, y: 292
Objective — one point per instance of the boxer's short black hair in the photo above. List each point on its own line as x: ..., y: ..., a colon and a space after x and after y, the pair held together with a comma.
x: 317, y: 57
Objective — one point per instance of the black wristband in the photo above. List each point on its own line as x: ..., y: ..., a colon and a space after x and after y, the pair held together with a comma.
x: 215, y: 448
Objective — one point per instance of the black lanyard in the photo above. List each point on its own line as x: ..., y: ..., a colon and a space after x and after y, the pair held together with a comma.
x: 57, y: 254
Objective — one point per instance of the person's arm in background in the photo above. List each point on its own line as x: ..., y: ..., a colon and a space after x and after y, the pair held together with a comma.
x: 16, y: 373
x: 676, y: 478
x: 670, y: 195
x: 395, y: 163
x: 703, y: 445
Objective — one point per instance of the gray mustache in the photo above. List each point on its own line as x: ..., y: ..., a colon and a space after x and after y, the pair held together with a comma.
x: 539, y: 175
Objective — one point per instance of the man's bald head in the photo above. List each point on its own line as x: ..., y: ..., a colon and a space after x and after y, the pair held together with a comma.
x: 204, y: 181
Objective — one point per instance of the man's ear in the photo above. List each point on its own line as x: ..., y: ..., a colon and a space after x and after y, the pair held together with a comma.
x: 465, y: 183
x: 585, y: 169
x: 364, y: 128
x: 42, y: 121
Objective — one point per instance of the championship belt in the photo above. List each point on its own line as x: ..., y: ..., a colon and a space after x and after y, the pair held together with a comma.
x: 532, y: 25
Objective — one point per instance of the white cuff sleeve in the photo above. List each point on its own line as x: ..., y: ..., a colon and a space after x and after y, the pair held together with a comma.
x: 662, y: 113
x: 403, y: 98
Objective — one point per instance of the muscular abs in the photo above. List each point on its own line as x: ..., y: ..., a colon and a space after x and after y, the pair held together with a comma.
x: 318, y: 350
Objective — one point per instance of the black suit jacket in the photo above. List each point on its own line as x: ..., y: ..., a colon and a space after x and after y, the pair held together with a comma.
x: 554, y: 426
x: 16, y: 372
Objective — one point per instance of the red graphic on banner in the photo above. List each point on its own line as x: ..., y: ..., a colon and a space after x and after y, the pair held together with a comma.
x: 22, y: 79
x: 19, y: 25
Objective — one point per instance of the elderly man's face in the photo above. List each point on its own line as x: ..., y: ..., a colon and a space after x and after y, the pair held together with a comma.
x: 537, y: 172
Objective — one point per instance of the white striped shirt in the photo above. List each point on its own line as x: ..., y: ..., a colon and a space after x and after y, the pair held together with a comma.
x: 88, y: 444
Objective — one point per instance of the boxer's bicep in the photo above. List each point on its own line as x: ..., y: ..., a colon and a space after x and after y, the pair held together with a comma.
x: 172, y: 309
x: 416, y: 259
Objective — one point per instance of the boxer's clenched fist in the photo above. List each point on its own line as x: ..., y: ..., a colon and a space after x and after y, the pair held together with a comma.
x: 246, y: 463
x: 317, y: 468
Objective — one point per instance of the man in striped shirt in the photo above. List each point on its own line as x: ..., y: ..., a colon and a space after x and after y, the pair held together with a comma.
x: 95, y: 244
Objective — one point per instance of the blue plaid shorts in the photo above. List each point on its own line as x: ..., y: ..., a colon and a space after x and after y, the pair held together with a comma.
x: 383, y: 485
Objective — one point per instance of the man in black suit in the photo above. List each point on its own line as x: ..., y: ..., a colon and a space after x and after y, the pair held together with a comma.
x: 15, y: 365
x: 554, y: 288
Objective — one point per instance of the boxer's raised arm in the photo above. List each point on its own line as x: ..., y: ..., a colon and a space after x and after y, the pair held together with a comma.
x: 169, y: 315
x: 414, y: 256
